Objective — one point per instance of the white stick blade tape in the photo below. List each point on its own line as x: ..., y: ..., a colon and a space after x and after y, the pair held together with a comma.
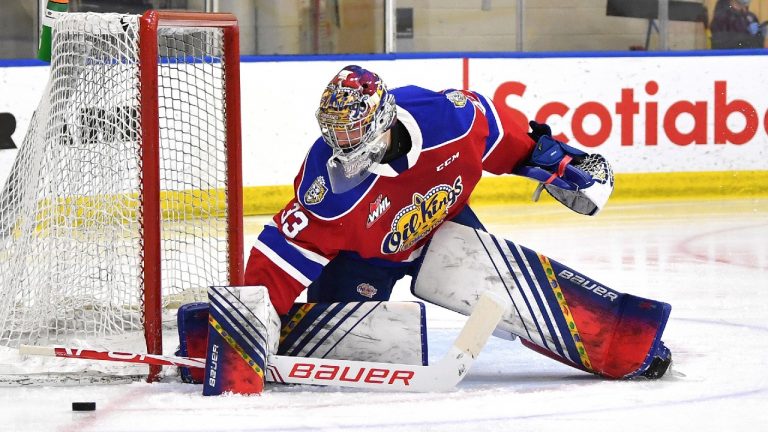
x: 484, y: 319
x: 37, y: 350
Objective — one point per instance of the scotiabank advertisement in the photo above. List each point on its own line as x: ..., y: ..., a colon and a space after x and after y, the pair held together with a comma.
x: 645, y: 114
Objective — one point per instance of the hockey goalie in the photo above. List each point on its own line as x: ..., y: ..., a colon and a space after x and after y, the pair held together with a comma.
x: 383, y: 193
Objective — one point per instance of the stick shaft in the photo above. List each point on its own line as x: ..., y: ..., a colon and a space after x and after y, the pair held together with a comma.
x: 116, y: 356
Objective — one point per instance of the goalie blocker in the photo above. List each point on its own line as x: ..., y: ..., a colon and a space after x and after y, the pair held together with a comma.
x: 555, y: 310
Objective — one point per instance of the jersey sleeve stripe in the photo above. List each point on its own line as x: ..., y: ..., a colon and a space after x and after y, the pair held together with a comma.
x: 282, y: 264
x: 303, y: 265
x: 312, y: 256
x: 495, y: 128
x: 309, y: 262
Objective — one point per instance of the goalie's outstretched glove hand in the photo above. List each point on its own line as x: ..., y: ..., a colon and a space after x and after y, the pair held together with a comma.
x: 579, y: 180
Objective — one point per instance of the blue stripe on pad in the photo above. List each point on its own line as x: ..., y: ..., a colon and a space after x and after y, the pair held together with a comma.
x: 537, y: 298
x: 554, y: 306
x: 506, y: 287
x: 242, y: 334
x: 528, y: 302
x: 359, y: 305
x: 317, y: 325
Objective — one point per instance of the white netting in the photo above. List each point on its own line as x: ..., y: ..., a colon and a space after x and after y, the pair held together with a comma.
x: 71, y: 211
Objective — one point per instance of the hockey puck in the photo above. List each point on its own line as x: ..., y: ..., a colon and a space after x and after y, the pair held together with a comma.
x: 83, y: 406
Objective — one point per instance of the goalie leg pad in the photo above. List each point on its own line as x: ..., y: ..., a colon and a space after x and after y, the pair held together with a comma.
x: 243, y: 330
x: 192, y: 321
x: 390, y: 332
x: 573, y: 318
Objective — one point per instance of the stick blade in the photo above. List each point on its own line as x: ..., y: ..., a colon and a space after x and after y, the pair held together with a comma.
x: 486, y: 315
x: 37, y: 350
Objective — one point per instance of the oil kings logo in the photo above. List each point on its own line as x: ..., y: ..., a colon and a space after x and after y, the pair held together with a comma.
x: 415, y: 221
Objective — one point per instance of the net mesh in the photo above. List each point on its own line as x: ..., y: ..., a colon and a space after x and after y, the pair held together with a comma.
x: 71, y: 228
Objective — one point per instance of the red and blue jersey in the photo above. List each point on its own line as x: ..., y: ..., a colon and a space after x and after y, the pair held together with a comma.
x: 455, y: 136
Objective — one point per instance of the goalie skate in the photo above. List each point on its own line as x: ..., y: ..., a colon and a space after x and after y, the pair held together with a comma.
x: 660, y: 363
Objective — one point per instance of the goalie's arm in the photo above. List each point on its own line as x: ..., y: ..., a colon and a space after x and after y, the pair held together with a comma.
x: 506, y: 146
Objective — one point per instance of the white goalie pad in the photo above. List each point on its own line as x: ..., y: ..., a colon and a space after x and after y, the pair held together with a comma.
x: 454, y: 261
x: 555, y: 309
x: 389, y: 332
x: 461, y: 263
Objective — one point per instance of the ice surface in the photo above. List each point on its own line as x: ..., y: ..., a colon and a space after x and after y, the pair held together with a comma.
x: 709, y: 259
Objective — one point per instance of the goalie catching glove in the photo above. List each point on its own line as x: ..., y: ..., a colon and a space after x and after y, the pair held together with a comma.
x: 580, y: 181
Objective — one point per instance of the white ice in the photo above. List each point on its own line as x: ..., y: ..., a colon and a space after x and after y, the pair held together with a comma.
x: 709, y: 259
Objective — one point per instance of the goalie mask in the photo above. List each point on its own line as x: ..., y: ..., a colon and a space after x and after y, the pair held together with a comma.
x: 355, y: 112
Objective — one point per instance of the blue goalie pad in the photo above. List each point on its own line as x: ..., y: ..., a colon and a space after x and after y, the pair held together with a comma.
x: 192, y: 319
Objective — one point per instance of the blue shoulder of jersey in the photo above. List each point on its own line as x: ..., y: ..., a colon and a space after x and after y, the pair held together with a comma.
x: 441, y: 117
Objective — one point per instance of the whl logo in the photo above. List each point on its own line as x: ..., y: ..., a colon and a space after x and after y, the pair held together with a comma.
x: 376, y: 209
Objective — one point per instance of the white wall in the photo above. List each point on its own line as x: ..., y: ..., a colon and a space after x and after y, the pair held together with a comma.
x: 279, y: 100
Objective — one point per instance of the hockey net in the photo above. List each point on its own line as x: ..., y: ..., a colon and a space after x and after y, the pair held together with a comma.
x: 124, y: 200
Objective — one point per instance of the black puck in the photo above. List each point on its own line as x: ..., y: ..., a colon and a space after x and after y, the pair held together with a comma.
x: 83, y: 406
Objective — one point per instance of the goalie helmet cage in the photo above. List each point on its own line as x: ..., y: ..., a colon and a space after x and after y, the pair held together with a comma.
x: 126, y: 194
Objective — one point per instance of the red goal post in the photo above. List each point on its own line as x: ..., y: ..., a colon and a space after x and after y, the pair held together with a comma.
x: 148, y: 56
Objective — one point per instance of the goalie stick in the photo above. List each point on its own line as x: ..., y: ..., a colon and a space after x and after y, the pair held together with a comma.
x: 441, y: 376
x: 115, y: 356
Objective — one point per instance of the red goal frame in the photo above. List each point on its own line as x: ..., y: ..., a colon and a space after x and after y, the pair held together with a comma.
x: 150, y: 182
